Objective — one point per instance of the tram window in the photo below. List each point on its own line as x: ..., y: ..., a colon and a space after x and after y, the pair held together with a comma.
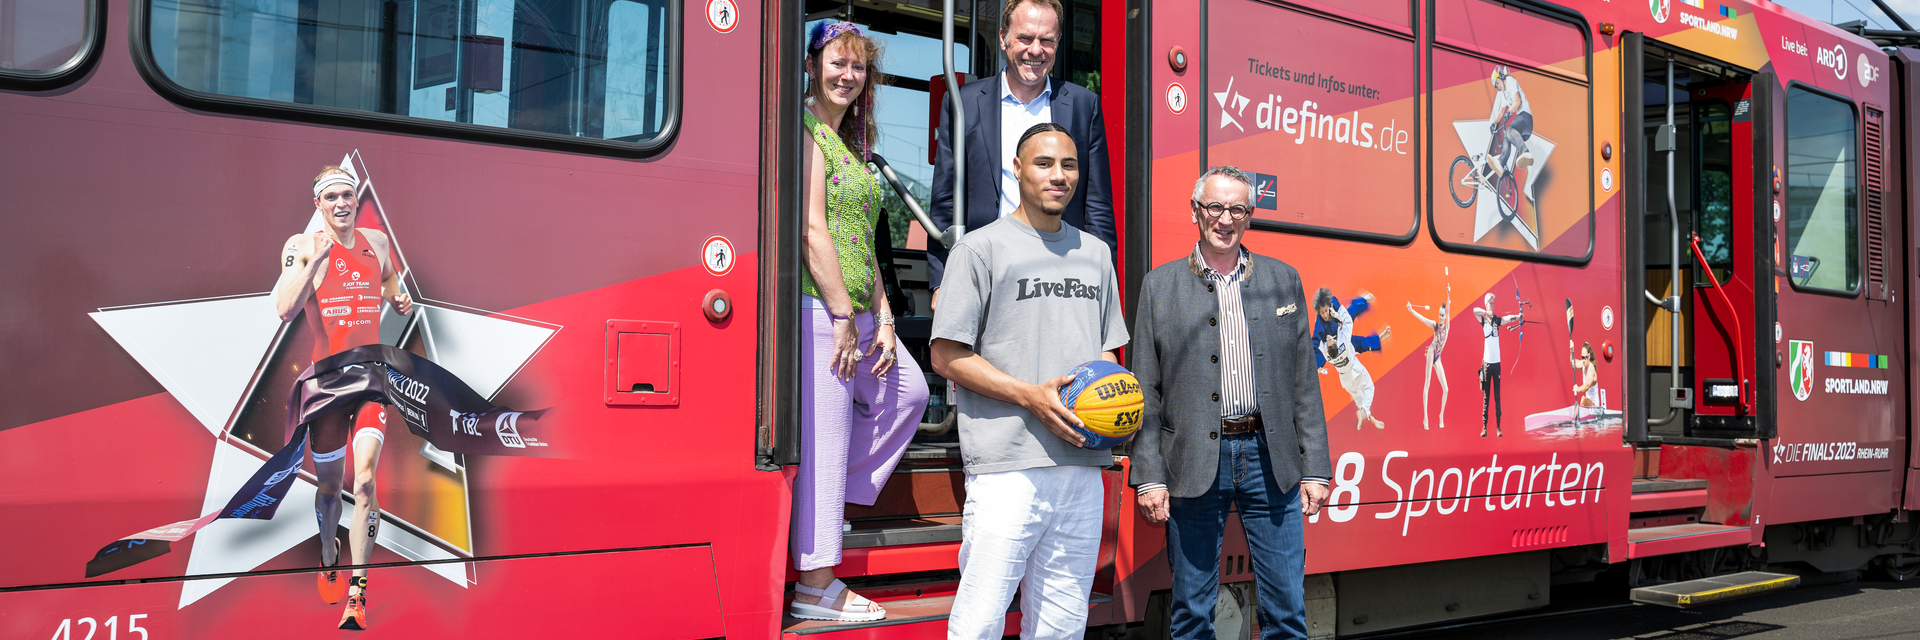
x: 1713, y: 200
x: 1823, y: 214
x: 1322, y: 113
x: 582, y: 69
x: 1078, y: 59
x: 1512, y: 163
x: 1512, y: 31
x: 41, y: 37
x: 1398, y: 14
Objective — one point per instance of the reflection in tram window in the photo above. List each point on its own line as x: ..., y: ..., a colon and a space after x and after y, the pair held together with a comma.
x: 1823, y: 214
x: 1713, y: 201
x: 579, y: 68
x: 41, y: 35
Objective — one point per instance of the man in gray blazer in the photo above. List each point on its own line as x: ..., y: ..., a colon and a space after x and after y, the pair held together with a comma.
x: 1224, y: 353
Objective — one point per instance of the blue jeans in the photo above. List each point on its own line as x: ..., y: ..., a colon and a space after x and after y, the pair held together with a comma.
x: 1270, y: 516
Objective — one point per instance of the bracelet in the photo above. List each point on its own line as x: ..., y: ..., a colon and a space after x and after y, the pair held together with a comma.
x: 839, y: 318
x: 883, y: 318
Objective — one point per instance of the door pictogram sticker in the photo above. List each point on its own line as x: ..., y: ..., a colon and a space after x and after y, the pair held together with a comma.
x: 717, y: 256
x: 722, y: 15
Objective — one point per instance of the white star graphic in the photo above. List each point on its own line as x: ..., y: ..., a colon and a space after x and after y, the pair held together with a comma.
x: 209, y: 355
x: 1475, y: 136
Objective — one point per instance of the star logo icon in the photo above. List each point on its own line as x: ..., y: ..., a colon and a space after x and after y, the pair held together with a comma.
x: 1239, y: 102
x: 229, y: 361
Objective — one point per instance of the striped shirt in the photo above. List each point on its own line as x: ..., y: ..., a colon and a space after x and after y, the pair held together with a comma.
x: 1237, y: 395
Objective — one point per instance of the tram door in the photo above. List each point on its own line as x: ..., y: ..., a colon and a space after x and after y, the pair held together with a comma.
x: 1723, y: 246
x: 1718, y: 116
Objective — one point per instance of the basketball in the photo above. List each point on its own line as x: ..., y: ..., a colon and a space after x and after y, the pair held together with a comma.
x: 1107, y: 399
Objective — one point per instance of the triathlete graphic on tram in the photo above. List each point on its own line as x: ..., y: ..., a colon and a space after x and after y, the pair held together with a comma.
x: 330, y: 275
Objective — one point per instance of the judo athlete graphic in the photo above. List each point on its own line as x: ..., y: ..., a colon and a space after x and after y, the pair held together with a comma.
x: 1335, y: 344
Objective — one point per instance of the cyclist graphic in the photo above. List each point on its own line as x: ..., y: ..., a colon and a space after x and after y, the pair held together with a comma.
x: 1508, y: 146
x: 1511, y: 122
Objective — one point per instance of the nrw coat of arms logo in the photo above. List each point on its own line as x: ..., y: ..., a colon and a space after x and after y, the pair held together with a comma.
x: 1800, y: 368
x: 1660, y: 8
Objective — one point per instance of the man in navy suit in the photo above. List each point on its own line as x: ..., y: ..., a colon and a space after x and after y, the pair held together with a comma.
x: 998, y: 110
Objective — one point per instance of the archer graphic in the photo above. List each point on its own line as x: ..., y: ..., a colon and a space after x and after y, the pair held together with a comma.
x: 1490, y: 323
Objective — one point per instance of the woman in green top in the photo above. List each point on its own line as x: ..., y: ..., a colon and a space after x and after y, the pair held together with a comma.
x: 860, y: 399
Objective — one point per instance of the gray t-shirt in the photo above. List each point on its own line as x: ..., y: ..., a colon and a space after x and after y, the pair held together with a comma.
x: 1035, y: 305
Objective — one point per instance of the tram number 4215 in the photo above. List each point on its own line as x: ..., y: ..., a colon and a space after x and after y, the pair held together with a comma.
x: 65, y: 632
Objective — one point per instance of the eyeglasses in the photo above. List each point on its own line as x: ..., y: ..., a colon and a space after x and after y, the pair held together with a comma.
x: 1215, y: 209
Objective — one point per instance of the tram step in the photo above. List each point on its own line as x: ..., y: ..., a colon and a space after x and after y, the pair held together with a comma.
x: 919, y: 532
x: 1693, y: 593
x: 931, y: 611
x: 1668, y: 500
x: 1679, y: 538
x: 1659, y: 485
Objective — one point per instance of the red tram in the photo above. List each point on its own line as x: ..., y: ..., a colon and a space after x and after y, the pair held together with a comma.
x: 592, y: 204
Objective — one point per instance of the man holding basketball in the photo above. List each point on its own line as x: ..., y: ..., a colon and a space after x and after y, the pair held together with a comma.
x: 330, y: 275
x: 1026, y: 299
x: 1232, y: 421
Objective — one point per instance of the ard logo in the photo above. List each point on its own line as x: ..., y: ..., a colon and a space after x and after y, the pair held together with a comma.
x: 1800, y: 368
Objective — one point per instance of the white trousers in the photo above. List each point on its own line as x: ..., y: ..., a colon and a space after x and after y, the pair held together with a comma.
x: 1034, y: 530
x: 1358, y: 382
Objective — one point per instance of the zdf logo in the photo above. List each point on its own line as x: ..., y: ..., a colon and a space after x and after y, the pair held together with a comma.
x: 1835, y: 59
x: 1867, y: 72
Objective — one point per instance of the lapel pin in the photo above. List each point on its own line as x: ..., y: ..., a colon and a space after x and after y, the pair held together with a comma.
x: 1283, y: 311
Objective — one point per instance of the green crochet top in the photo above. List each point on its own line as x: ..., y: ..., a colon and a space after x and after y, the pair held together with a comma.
x: 853, y: 206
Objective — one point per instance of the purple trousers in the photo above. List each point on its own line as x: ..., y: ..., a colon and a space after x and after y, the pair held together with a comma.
x: 852, y: 433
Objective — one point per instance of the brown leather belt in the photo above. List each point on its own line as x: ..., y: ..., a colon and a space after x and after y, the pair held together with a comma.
x: 1235, y: 426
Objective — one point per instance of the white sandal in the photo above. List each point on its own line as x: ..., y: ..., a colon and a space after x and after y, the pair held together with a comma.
x: 868, y: 610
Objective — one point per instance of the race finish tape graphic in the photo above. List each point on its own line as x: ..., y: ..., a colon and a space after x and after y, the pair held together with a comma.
x: 212, y: 354
x: 420, y: 389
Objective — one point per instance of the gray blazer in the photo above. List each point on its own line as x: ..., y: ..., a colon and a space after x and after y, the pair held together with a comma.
x: 1174, y: 351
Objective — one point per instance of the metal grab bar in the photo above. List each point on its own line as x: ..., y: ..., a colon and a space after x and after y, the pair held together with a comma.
x: 957, y: 137
x: 900, y: 187
x: 1666, y: 139
x: 1739, y: 335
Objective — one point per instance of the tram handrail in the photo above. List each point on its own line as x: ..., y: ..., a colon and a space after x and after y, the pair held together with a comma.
x: 1672, y: 303
x: 958, y: 114
x: 900, y: 187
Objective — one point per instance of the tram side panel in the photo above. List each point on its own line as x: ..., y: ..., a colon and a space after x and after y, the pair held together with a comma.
x: 567, y: 284
x: 1842, y: 407
x: 1321, y: 109
x: 1907, y: 100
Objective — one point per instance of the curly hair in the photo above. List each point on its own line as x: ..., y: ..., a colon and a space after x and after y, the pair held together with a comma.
x: 1323, y: 299
x: 857, y: 127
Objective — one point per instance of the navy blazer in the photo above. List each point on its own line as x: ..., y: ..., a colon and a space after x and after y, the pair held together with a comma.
x: 1075, y: 108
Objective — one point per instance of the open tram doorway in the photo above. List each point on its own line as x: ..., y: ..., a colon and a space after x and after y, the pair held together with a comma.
x: 921, y: 503
x: 1701, y: 128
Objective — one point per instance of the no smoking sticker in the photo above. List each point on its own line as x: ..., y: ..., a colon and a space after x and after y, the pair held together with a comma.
x: 1176, y: 98
x: 717, y: 256
x: 722, y: 15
